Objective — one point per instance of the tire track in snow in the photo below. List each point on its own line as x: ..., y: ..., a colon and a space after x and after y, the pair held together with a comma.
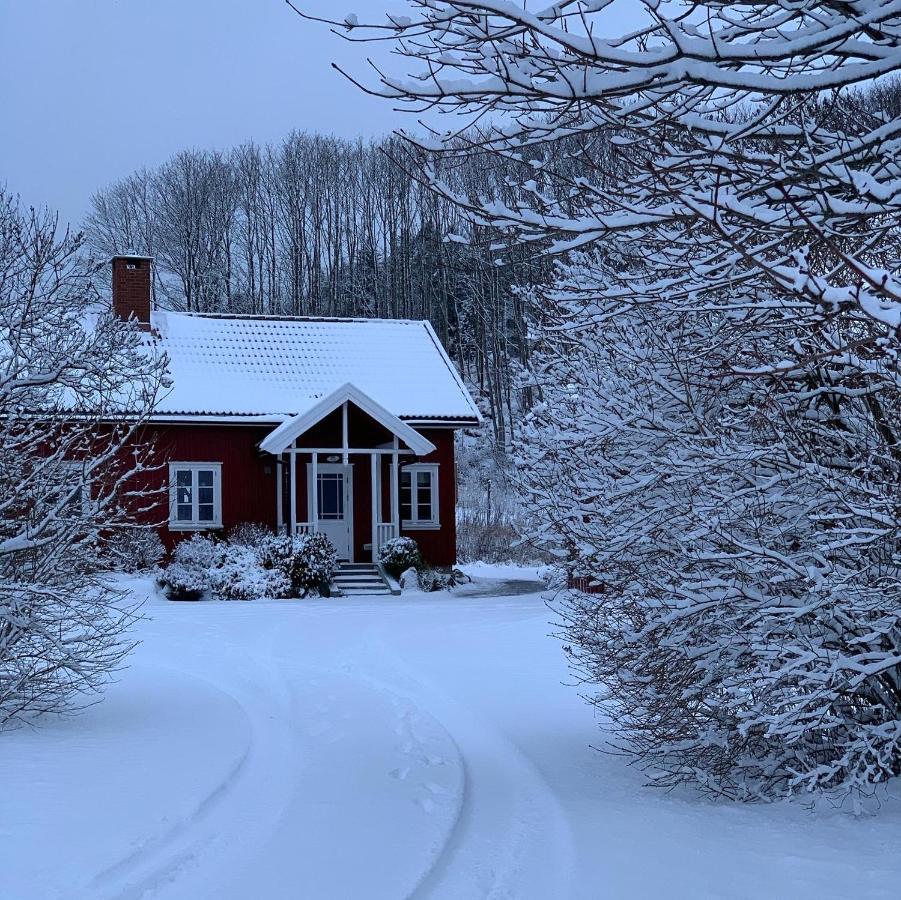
x: 162, y: 860
x: 510, y: 838
x: 386, y: 809
x: 500, y: 835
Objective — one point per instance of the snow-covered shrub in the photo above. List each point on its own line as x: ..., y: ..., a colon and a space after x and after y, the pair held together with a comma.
x: 238, y: 574
x: 399, y: 554
x: 307, y: 561
x: 431, y: 580
x: 190, y: 573
x: 249, y: 534
x: 742, y: 541
x: 134, y: 549
x: 271, y: 566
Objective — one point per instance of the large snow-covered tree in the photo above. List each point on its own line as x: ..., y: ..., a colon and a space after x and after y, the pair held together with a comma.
x: 76, y: 385
x: 738, y: 542
x: 716, y: 447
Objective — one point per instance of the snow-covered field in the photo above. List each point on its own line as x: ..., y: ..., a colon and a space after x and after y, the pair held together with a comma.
x: 383, y: 748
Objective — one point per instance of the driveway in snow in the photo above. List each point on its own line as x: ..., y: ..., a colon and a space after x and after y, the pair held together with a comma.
x: 421, y: 746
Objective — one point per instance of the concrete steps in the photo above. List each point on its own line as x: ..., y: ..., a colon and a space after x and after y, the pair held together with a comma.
x: 360, y: 579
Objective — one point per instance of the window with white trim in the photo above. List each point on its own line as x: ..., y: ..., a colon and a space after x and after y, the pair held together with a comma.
x: 419, y: 495
x: 195, y: 495
x: 81, y: 503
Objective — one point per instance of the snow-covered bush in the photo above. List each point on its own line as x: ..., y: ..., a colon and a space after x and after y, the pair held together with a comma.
x: 189, y: 575
x: 249, y: 534
x: 251, y: 565
x: 431, y: 580
x: 237, y: 574
x: 307, y: 561
x: 743, y: 537
x: 401, y: 558
x: 134, y: 549
x: 399, y: 554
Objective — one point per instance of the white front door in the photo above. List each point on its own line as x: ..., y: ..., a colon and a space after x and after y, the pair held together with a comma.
x: 335, y: 494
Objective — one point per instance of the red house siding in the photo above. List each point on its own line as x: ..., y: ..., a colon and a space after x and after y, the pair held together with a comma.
x: 439, y: 546
x: 249, y: 478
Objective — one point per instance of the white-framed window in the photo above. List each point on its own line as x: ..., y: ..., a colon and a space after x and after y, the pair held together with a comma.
x: 81, y: 503
x: 419, y: 496
x: 195, y: 495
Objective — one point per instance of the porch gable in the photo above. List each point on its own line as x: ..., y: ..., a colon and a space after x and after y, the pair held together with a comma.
x: 283, y: 437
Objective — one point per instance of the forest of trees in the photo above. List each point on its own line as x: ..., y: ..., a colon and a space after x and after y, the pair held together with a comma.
x: 324, y: 226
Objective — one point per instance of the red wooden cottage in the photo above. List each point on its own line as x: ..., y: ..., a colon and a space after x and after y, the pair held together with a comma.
x: 341, y: 426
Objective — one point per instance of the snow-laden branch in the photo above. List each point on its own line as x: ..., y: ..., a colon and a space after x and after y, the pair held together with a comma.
x: 76, y: 386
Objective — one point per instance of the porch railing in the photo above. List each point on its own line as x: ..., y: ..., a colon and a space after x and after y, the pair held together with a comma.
x: 384, y: 532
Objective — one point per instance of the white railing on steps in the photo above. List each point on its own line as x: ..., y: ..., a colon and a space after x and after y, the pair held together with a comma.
x: 384, y: 532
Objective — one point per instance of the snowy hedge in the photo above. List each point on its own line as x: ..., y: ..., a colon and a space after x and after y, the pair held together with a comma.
x: 249, y: 566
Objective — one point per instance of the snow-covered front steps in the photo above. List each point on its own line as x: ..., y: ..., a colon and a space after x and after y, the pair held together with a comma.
x: 363, y: 579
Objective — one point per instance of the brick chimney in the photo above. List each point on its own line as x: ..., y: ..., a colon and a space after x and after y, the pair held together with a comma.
x: 131, y: 287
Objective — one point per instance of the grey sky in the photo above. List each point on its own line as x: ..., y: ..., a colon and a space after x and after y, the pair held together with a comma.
x: 94, y: 89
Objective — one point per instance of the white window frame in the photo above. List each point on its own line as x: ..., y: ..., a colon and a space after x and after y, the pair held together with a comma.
x: 415, y: 523
x: 194, y: 468
x: 88, y: 504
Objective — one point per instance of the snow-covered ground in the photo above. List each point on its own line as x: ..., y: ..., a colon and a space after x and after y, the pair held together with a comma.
x: 420, y: 746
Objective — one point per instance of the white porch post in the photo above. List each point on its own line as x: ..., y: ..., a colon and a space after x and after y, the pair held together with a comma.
x: 279, y: 491
x: 292, y: 502
x: 375, y: 506
x: 345, y: 443
x: 395, y: 490
x: 313, y: 489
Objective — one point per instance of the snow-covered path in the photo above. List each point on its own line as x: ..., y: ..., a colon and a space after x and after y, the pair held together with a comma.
x: 382, y: 748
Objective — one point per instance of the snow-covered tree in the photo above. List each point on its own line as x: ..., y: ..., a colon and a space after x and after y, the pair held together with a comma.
x: 743, y: 156
x: 716, y: 448
x: 76, y: 385
x: 738, y: 541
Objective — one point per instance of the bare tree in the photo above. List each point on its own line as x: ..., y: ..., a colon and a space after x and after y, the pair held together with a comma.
x: 76, y: 385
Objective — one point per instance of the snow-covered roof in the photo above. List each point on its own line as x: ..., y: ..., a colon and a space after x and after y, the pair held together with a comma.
x: 271, y: 368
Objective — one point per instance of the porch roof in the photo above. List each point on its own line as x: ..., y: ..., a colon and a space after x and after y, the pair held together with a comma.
x: 281, y: 438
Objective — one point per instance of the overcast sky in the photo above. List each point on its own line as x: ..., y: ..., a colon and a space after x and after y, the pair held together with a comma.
x: 93, y: 89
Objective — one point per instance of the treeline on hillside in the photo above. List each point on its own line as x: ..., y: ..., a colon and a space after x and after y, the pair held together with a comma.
x: 324, y: 226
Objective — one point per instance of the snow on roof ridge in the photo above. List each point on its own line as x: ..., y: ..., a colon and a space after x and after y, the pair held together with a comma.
x: 268, y: 317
